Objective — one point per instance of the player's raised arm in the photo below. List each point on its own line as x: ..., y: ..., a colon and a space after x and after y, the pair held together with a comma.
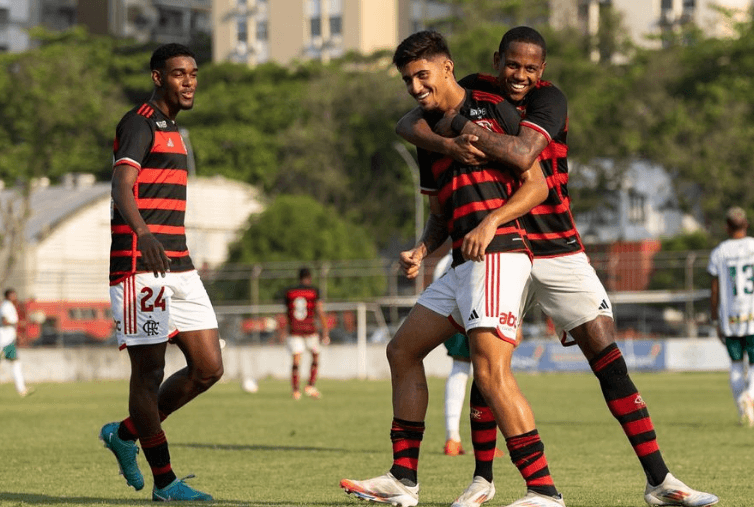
x: 415, y: 129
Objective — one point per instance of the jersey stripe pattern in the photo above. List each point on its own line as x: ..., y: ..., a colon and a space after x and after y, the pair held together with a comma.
x: 300, y: 302
x: 732, y: 262
x: 466, y: 193
x: 149, y: 141
x: 550, y: 227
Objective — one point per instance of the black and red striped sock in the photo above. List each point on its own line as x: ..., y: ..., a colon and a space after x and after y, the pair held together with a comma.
x: 627, y: 406
x: 313, y: 371
x: 483, y: 433
x: 127, y: 429
x: 158, y: 456
x: 406, y: 437
x: 294, y: 378
x: 528, y: 454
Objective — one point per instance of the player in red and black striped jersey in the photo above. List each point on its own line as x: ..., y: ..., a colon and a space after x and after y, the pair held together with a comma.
x: 302, y: 304
x: 478, y: 207
x: 155, y: 291
x: 562, y: 281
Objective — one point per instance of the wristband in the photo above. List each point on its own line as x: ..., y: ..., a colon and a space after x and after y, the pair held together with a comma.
x: 458, y: 122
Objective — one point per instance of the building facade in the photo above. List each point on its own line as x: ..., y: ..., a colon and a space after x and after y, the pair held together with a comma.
x: 259, y: 31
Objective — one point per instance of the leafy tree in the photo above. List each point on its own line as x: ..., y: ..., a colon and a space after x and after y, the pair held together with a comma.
x: 298, y: 228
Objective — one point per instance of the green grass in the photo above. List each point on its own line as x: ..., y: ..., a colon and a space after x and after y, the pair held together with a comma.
x: 267, y: 450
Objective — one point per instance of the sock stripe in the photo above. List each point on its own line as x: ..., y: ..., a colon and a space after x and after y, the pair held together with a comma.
x: 643, y: 425
x: 626, y: 405
x: 154, y: 440
x: 600, y: 363
x: 161, y: 470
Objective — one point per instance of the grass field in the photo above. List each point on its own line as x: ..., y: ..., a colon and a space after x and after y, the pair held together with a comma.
x: 265, y: 449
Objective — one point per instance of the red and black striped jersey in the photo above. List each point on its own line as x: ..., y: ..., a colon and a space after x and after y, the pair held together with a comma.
x: 469, y: 193
x: 300, y: 303
x: 550, y: 227
x: 149, y: 141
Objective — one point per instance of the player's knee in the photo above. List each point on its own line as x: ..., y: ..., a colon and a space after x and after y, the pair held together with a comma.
x: 209, y: 374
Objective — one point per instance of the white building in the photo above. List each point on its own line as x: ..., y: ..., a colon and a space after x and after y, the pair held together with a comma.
x: 67, y: 248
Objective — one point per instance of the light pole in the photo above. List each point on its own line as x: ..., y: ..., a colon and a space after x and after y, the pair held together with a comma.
x: 418, y: 205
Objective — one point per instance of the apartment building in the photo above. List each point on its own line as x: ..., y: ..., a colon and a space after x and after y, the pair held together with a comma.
x: 647, y: 20
x: 257, y: 31
x: 17, y: 16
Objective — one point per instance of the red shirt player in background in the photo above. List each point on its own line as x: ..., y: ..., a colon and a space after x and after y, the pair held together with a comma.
x: 301, y: 304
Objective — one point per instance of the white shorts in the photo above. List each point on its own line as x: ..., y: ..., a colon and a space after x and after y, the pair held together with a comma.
x: 482, y: 294
x: 568, y: 291
x: 297, y: 344
x: 149, y: 310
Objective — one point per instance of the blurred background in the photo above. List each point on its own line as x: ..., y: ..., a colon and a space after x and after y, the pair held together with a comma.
x: 294, y: 159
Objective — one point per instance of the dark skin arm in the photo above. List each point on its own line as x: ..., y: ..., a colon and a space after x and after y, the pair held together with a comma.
x: 415, y: 129
x: 474, y: 144
x: 152, y: 252
x: 714, y: 301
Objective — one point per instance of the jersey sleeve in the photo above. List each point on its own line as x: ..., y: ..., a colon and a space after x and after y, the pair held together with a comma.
x: 427, y: 183
x: 547, y: 111
x: 508, y: 117
x: 133, y: 140
x: 712, y: 265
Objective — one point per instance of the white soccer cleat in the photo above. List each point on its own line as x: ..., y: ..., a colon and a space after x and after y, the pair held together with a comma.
x: 746, y: 409
x: 533, y: 499
x: 383, y: 489
x: 478, y: 492
x: 673, y: 492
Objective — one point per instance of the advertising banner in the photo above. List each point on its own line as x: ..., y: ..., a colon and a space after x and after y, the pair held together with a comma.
x: 536, y: 355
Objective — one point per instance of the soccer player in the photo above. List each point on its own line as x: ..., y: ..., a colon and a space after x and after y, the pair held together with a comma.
x: 8, y: 323
x: 302, y: 303
x: 155, y: 291
x: 478, y: 207
x: 562, y: 281
x: 731, y: 265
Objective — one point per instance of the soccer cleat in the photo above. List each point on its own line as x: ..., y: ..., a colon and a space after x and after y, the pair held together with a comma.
x: 296, y: 395
x: 673, y: 492
x: 125, y: 453
x: 746, y: 408
x: 533, y: 499
x: 312, y: 392
x: 453, y: 448
x: 383, y: 489
x: 179, y: 491
x: 478, y: 492
x: 27, y: 392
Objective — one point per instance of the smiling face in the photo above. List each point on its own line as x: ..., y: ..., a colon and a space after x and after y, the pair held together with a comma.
x: 429, y: 82
x: 519, y: 69
x: 176, y: 83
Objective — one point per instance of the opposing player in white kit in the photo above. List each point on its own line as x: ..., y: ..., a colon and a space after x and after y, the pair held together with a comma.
x: 8, y: 323
x: 731, y: 265
x: 562, y: 281
x: 155, y: 291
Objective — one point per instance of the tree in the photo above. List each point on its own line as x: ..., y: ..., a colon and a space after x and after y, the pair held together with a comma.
x: 298, y: 228
x: 59, y: 109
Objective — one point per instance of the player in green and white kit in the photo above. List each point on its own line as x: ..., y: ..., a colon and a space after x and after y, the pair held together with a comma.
x: 8, y: 323
x: 731, y: 265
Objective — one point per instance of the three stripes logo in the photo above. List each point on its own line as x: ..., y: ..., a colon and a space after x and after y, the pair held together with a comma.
x: 604, y: 305
x: 474, y: 315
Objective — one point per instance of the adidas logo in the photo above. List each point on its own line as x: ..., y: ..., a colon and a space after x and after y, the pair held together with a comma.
x: 474, y: 315
x: 170, y: 145
x: 475, y: 413
x: 604, y: 305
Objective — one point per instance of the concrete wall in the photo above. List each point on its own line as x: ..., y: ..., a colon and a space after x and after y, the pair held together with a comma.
x: 336, y: 361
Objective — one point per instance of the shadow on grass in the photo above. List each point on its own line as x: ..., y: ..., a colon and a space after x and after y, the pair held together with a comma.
x: 39, y: 499
x: 234, y: 447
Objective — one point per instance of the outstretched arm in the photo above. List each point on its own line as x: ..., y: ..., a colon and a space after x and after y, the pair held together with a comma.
x: 532, y: 192
x: 415, y: 129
